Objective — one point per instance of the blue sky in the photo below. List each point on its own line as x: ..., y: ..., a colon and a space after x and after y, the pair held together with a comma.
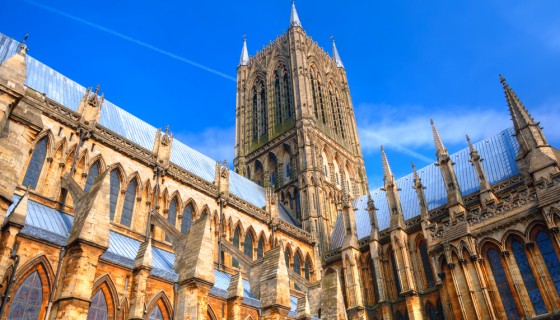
x: 407, y: 62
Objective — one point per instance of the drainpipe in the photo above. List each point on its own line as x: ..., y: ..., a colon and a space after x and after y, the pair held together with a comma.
x: 15, y: 258
x: 51, y: 296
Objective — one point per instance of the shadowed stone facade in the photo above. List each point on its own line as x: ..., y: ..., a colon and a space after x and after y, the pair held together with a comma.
x: 106, y: 217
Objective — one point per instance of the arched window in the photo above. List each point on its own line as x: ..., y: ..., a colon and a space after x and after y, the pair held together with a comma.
x: 426, y: 264
x: 297, y: 264
x: 395, y: 273
x: 128, y: 206
x: 28, y: 298
x: 431, y: 311
x: 335, y: 119
x: 287, y: 258
x: 260, y: 248
x: 234, y: 261
x: 114, y: 193
x: 501, y: 280
x: 399, y: 316
x: 306, y: 269
x: 187, y: 218
x: 248, y: 245
x: 518, y: 250
x: 339, y: 116
x: 98, y: 307
x: 172, y: 214
x: 36, y: 164
x: 156, y: 314
x: 322, y: 103
x: 255, y: 115
x: 374, y: 279
x: 314, y: 93
x: 550, y: 257
x: 287, y: 96
x: 298, y: 206
x: 440, y: 313
x: 92, y: 174
x: 277, y: 98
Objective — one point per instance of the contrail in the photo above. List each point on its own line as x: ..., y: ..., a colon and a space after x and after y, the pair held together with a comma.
x: 127, y: 38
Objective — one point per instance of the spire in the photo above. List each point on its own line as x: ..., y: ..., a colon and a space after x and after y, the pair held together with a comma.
x: 294, y: 19
x: 244, y: 60
x: 387, y: 173
x: 520, y: 116
x: 440, y: 149
x: 335, y: 55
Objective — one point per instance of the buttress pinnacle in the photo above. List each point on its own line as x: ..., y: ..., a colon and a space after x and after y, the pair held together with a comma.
x: 520, y: 116
x: 440, y: 149
x: 387, y: 173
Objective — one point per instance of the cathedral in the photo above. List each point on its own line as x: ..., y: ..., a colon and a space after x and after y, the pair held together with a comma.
x: 107, y: 217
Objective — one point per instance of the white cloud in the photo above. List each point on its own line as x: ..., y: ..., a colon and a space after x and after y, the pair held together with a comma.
x: 217, y: 143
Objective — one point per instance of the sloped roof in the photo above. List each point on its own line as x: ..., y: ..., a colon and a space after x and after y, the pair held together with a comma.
x: 59, y: 88
x: 499, y: 152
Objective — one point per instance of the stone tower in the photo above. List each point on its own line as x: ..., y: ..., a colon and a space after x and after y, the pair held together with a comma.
x: 295, y: 128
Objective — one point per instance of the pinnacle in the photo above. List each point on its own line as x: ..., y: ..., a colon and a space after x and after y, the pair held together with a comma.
x: 520, y: 116
x: 471, y: 147
x: 336, y: 56
x: 294, y: 19
x: 387, y: 173
x: 440, y: 149
x: 244, y: 60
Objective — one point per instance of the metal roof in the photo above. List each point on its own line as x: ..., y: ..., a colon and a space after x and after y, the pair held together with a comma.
x: 499, y: 152
x: 59, y: 88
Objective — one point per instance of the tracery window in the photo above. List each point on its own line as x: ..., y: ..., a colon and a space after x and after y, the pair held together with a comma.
x: 248, y: 245
x: 335, y: 118
x: 114, y: 193
x: 234, y: 261
x: 156, y: 314
x: 314, y: 93
x: 172, y: 214
x: 504, y: 290
x: 36, y: 164
x: 518, y: 250
x: 339, y: 116
x: 128, y: 206
x: 426, y: 264
x: 187, y: 218
x: 98, y: 307
x: 260, y: 116
x: 92, y: 174
x: 550, y: 257
x: 322, y: 103
x: 297, y: 264
x: 260, y: 248
x: 28, y: 299
x: 289, y: 106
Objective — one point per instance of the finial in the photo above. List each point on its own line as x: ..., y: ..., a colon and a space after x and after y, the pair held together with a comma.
x: 440, y: 149
x: 386, y: 168
x: 24, y: 38
x: 414, y: 170
x: 471, y: 147
x: 502, y: 79
x: 167, y: 129
x: 96, y: 89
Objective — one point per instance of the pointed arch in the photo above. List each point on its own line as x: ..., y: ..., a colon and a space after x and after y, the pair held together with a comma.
x: 104, y: 300
x: 36, y: 163
x: 249, y: 242
x: 308, y: 267
x: 93, y: 170
x: 548, y: 251
x: 187, y: 215
x: 114, y: 191
x: 298, y: 260
x: 235, y: 240
x: 60, y: 149
x: 422, y: 248
x: 129, y: 202
x: 160, y: 301
x: 211, y: 313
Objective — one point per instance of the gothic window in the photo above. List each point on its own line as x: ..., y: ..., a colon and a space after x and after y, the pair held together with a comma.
x: 340, y: 117
x: 518, y: 250
x: 440, y: 313
x: 278, y: 98
x: 287, y: 258
x: 28, y: 299
x: 399, y: 316
x: 374, y: 280
x: 172, y: 214
x: 306, y: 269
x: 322, y: 103
x: 98, y: 307
x: 501, y: 280
x: 156, y: 314
x: 255, y: 115
x: 36, y: 164
x: 187, y: 218
x: 428, y: 274
x: 260, y: 248
x: 335, y: 119
x: 234, y: 261
x: 550, y: 257
x: 298, y: 206
x: 431, y: 311
x: 297, y: 264
x: 261, y: 105
x: 248, y: 245
x: 287, y: 96
x: 128, y: 205
x: 314, y: 93
x: 395, y: 273
x: 92, y: 174
x: 114, y: 193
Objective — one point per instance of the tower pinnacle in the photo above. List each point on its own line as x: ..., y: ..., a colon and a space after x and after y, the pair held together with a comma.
x: 336, y: 56
x: 294, y: 19
x: 244, y: 54
x: 520, y: 116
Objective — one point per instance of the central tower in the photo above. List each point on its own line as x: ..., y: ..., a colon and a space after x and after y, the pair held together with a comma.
x: 295, y: 128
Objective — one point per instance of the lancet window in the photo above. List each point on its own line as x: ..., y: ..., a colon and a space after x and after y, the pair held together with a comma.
x: 260, y: 116
x: 28, y: 298
x: 92, y: 174
x: 128, y: 205
x: 36, y: 164
x: 248, y: 245
x: 98, y: 307
x: 501, y: 280
x: 187, y: 218
x: 114, y: 192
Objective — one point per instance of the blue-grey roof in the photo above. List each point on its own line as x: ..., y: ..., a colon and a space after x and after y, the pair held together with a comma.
x: 59, y: 88
x: 498, y: 151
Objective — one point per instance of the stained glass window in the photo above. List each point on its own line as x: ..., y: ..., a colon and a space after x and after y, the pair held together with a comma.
x: 260, y: 248
x: 550, y: 258
x: 187, y: 218
x: 297, y: 264
x: 98, y: 307
x: 248, y: 245
x: 114, y: 195
x: 306, y: 269
x: 395, y: 273
x: 156, y: 314
x: 426, y: 264
x: 504, y: 289
x: 172, y: 214
x: 92, y: 174
x: 234, y: 261
x: 28, y: 299
x: 36, y: 164
x: 528, y: 278
x: 374, y: 279
x: 128, y: 206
